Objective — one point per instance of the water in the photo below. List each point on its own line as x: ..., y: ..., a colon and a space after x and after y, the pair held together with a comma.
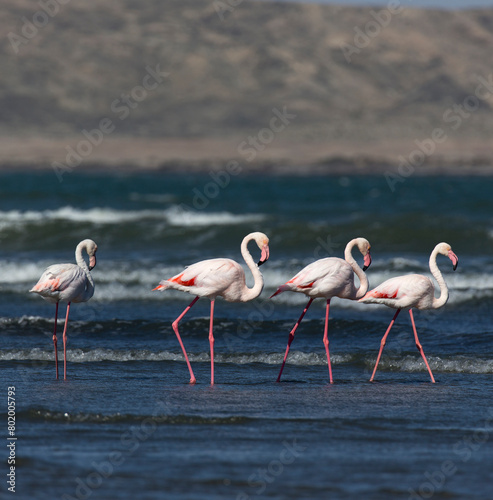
x: 127, y: 425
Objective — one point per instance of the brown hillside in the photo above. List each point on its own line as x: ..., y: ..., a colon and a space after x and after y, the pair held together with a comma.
x: 227, y: 75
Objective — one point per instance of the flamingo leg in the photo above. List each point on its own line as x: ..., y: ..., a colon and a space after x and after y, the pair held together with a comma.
x: 211, y: 341
x: 65, y: 344
x: 326, y: 339
x: 55, y: 341
x: 420, y: 348
x: 382, y: 343
x: 175, y: 328
x: 291, y: 337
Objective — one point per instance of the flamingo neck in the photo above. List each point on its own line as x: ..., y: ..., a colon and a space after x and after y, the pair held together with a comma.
x: 83, y: 265
x: 254, y: 292
x: 348, y: 256
x: 442, y: 300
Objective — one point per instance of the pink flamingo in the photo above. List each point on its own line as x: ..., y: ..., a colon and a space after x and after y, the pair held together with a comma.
x: 218, y: 278
x: 412, y: 290
x: 327, y: 278
x: 68, y: 283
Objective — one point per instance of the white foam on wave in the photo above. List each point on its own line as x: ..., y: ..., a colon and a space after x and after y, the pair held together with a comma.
x: 453, y: 364
x: 26, y: 320
x: 121, y: 356
x: 174, y: 215
x: 20, y: 272
x: 178, y: 216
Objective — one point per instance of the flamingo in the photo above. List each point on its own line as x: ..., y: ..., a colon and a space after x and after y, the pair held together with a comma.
x: 412, y: 291
x: 327, y: 278
x: 218, y: 278
x: 68, y: 283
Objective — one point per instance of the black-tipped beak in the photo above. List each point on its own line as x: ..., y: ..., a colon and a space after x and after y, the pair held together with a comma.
x: 92, y: 263
x: 454, y: 259
x: 367, y: 261
x: 264, y: 256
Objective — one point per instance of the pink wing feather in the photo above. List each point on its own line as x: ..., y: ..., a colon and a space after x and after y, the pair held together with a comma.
x: 62, y: 282
x: 206, y: 278
x: 411, y: 290
x: 324, y: 277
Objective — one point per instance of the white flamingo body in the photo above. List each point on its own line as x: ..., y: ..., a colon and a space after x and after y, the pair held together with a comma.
x: 218, y: 278
x: 412, y: 291
x: 212, y: 278
x: 327, y: 278
x: 68, y: 283
x: 404, y: 292
x: 65, y: 283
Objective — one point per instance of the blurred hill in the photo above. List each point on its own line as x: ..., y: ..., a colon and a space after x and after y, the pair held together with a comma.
x: 66, y: 67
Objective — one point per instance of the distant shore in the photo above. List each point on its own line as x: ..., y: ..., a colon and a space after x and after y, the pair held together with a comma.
x: 202, y: 155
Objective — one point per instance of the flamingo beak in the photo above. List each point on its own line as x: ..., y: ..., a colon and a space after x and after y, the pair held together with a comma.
x: 92, y: 262
x: 367, y: 261
x: 264, y: 256
x: 453, y: 258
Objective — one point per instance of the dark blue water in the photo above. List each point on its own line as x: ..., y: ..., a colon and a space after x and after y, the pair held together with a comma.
x: 127, y: 425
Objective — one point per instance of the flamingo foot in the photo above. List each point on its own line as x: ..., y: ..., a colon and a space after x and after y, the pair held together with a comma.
x: 193, y: 380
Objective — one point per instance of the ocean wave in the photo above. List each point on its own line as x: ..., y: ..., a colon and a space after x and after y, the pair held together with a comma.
x: 453, y: 364
x: 174, y: 215
x: 119, y: 280
x: 157, y: 418
x: 27, y: 320
x: 408, y: 363
x: 122, y: 356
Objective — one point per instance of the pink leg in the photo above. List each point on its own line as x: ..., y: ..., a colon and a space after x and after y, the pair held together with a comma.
x: 291, y: 337
x: 175, y: 328
x: 382, y: 343
x: 326, y: 340
x: 55, y: 341
x: 65, y: 344
x: 418, y: 345
x: 211, y: 342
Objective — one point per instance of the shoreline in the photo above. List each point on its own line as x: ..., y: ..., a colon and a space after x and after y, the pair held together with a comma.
x: 332, y: 168
x: 282, y: 157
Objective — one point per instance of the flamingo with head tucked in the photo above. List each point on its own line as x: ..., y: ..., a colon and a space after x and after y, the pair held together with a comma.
x: 68, y: 283
x: 218, y: 278
x: 327, y: 278
x: 412, y: 291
